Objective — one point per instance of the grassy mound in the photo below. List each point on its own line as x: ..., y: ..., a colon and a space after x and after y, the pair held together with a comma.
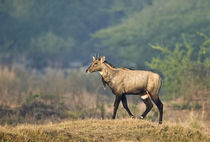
x: 102, y: 130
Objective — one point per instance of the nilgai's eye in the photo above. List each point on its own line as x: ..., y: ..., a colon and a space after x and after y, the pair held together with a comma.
x: 95, y: 64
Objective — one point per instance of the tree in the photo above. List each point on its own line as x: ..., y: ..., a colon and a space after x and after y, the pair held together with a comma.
x: 180, y: 70
x: 49, y: 49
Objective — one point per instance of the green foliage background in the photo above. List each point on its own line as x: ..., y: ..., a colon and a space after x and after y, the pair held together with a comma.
x: 45, y: 32
x: 163, y: 22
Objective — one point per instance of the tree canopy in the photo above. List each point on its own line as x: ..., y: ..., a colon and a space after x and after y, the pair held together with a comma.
x: 43, y: 32
x: 163, y: 23
x: 56, y: 33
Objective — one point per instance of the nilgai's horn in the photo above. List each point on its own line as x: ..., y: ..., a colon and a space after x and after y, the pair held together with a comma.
x: 98, y: 56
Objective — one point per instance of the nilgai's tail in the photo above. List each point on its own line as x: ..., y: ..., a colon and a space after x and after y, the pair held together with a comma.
x: 159, y: 84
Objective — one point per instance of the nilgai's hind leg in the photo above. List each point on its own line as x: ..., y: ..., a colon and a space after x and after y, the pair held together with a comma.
x: 148, y: 104
x: 125, y: 105
x: 159, y: 104
x: 116, y: 104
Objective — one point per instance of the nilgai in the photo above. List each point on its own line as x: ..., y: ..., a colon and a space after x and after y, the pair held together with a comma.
x: 124, y: 81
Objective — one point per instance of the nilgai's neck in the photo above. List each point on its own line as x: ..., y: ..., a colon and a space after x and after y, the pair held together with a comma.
x: 107, y: 72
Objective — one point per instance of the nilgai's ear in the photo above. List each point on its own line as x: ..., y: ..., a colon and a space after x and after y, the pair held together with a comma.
x: 102, y: 59
x: 94, y: 58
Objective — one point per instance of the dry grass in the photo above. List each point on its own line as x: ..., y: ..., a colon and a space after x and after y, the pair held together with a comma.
x: 102, y: 130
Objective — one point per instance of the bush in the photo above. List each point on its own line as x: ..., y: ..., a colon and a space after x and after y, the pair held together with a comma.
x: 182, y: 74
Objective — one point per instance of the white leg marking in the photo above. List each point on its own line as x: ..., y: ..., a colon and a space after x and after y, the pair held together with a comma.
x: 145, y: 96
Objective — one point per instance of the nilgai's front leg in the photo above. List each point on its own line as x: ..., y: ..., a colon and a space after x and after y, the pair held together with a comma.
x: 125, y: 105
x: 116, y: 104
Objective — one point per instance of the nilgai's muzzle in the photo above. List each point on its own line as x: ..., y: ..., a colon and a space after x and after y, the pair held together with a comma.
x: 88, y: 70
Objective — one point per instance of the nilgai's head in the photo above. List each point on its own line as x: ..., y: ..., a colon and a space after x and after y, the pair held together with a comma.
x: 96, y: 65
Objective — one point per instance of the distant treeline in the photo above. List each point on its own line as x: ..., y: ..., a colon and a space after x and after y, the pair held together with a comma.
x: 56, y: 33
x: 64, y: 33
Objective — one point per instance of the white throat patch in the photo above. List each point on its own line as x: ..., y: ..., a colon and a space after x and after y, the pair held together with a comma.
x: 101, y: 72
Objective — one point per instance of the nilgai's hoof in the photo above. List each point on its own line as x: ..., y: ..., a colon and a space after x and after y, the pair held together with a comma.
x: 141, y: 117
x: 133, y: 117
